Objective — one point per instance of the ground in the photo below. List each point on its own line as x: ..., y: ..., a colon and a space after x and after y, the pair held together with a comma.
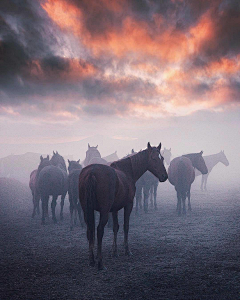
x: 192, y: 257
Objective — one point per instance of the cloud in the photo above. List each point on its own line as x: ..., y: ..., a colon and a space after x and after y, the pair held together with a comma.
x: 137, y: 58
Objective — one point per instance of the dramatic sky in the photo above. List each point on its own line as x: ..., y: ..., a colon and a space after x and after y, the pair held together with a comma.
x: 127, y: 69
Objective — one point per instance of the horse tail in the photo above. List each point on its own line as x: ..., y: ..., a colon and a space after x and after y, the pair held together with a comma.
x: 90, y: 200
x: 182, y: 178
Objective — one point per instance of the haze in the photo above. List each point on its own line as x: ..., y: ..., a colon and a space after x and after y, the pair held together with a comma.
x: 120, y: 74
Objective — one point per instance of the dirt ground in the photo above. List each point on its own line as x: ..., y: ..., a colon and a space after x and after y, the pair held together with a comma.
x: 195, y: 257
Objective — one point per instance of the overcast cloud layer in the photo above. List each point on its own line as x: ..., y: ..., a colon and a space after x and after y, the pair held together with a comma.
x: 68, y: 58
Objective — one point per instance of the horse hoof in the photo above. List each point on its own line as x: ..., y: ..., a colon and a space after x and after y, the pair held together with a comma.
x: 101, y: 267
x: 92, y: 263
x: 115, y: 254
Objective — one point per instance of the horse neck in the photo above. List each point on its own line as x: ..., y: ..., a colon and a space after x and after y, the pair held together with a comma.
x: 133, y: 166
x: 139, y: 164
x: 212, y: 160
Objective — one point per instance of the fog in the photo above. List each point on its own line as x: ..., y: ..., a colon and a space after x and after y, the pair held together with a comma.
x: 208, y: 131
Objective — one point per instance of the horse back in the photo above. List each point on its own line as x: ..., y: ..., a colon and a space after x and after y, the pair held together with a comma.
x: 181, y: 173
x: 111, y: 188
x: 52, y: 181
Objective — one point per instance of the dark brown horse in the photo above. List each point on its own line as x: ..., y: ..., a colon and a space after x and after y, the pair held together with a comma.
x: 110, y: 188
x: 181, y: 174
x: 52, y: 181
x: 74, y: 169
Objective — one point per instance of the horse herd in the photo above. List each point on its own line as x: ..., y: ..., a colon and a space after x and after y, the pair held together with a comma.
x: 108, y: 187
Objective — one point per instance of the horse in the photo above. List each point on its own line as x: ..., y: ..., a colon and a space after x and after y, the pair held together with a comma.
x: 181, y: 175
x: 211, y: 161
x: 148, y: 185
x: 93, y: 156
x: 35, y: 195
x: 111, y: 157
x: 74, y: 169
x: 52, y: 181
x: 167, y: 154
x: 110, y: 188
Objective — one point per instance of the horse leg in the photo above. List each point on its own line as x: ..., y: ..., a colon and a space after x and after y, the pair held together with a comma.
x: 62, y: 204
x: 115, y: 231
x: 110, y: 220
x: 91, y: 239
x: 202, y: 182
x: 155, y: 196
x: 205, y: 181
x: 146, y: 190
x: 189, y: 203
x: 71, y: 211
x: 44, y: 207
x: 184, y: 203
x: 151, y: 195
x: 79, y: 209
x: 53, y: 206
x: 127, y: 212
x: 34, y: 205
x: 37, y: 200
x: 179, y: 205
x: 100, y: 231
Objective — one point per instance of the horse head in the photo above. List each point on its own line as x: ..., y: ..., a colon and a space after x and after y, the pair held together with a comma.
x: 74, y: 165
x: 223, y: 159
x: 155, y: 163
x: 166, y: 153
x: 58, y: 161
x: 90, y: 153
x: 44, y: 162
x: 198, y: 162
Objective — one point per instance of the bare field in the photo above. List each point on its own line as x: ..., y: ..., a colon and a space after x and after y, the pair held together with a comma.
x: 195, y: 257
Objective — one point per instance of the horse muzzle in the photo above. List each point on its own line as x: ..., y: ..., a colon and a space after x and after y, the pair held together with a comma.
x: 163, y: 178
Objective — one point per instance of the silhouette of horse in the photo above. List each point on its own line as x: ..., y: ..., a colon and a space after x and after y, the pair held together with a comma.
x: 93, y: 156
x: 74, y: 170
x: 52, y: 181
x: 148, y: 184
x: 181, y: 174
x: 211, y: 161
x: 167, y: 154
x: 111, y: 157
x: 35, y: 195
x: 110, y: 188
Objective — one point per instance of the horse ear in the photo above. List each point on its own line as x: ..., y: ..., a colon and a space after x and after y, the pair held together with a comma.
x: 159, y: 146
x: 89, y: 146
x: 132, y: 151
x: 48, y: 157
x: 41, y: 158
x: 78, y: 161
x: 56, y: 152
x: 69, y: 161
x: 53, y: 153
x: 96, y: 146
x: 149, y: 146
x: 201, y: 152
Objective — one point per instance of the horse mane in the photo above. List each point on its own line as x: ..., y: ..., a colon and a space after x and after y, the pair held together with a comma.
x: 131, y: 164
